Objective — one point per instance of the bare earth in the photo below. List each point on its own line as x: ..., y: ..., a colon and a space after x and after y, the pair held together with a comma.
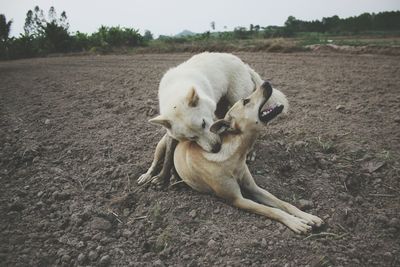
x: 74, y: 137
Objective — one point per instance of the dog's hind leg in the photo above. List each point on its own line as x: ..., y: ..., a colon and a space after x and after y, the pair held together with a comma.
x: 230, y: 190
x: 298, y: 225
x: 165, y: 174
x: 158, y: 160
x: 267, y: 198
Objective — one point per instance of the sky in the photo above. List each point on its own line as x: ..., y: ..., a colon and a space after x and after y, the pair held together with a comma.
x: 169, y: 17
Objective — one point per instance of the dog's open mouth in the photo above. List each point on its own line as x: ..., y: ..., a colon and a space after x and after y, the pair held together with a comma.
x: 266, y: 114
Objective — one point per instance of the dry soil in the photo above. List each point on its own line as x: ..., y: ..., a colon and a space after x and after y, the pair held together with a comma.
x: 74, y: 137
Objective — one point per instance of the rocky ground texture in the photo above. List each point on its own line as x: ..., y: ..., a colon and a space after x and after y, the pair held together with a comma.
x: 74, y: 137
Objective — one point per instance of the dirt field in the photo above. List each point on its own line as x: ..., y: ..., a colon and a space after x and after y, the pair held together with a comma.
x: 74, y: 137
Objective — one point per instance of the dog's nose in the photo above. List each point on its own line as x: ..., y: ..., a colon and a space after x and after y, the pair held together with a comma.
x: 216, y: 148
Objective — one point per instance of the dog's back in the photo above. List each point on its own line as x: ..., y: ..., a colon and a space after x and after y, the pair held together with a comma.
x: 213, y: 74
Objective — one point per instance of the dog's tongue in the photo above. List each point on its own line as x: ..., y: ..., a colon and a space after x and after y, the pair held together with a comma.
x: 266, y: 110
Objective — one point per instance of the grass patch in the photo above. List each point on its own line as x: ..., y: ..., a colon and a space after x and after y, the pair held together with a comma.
x: 306, y: 39
x: 327, y: 146
x: 155, y: 214
x: 162, y: 240
x: 215, y: 45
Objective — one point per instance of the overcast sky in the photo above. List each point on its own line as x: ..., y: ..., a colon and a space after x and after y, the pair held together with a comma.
x: 169, y: 17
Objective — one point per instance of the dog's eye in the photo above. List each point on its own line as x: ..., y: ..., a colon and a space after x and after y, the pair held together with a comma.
x: 203, y: 125
x: 246, y: 101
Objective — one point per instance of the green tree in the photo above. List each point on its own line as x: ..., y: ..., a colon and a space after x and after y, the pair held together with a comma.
x: 291, y: 26
x: 5, y: 28
x: 212, y: 24
x: 148, y: 36
x: 251, y: 28
x: 240, y: 33
x: 331, y: 24
x: 34, y: 22
x: 56, y: 37
x: 49, y: 34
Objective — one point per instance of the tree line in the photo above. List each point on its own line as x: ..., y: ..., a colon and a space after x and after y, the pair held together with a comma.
x: 50, y: 34
x: 44, y: 34
x: 364, y: 23
x: 384, y: 21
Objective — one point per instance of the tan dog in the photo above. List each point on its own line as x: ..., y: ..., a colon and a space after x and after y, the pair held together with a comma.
x: 225, y: 173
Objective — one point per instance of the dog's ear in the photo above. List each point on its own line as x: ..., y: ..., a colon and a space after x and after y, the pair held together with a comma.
x: 192, y: 97
x: 162, y: 121
x: 221, y: 126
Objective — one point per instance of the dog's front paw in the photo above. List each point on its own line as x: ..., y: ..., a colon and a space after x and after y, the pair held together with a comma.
x: 157, y: 180
x: 297, y: 225
x: 312, y: 220
x: 144, y: 178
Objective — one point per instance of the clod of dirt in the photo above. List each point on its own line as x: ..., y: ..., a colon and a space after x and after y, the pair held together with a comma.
x: 93, y: 255
x: 127, y: 233
x: 263, y: 243
x: 66, y: 258
x: 373, y: 166
x: 300, y: 143
x: 305, y: 204
x: 349, y: 218
x: 81, y: 258
x: 193, y: 213
x: 124, y: 201
x: 212, y: 243
x: 100, y: 224
x: 353, y: 183
x: 65, y: 195
x: 17, y: 206
x: 382, y: 219
x: 158, y: 263
x: 340, y: 107
x: 105, y: 260
x: 343, y: 196
x: 388, y: 255
x: 395, y: 223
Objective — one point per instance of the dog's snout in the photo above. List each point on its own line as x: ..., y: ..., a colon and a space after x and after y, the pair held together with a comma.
x: 267, y: 89
x: 216, y: 148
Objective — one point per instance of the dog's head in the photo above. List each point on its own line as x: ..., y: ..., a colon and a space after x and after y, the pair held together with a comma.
x: 190, y: 118
x: 248, y: 115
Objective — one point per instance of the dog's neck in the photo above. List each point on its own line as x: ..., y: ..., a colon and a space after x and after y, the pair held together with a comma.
x: 234, y: 146
x: 246, y: 140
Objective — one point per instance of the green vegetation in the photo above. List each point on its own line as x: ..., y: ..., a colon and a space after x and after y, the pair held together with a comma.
x: 384, y: 21
x: 50, y: 34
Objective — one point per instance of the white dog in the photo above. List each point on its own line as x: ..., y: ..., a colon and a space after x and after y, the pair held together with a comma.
x: 188, y: 97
